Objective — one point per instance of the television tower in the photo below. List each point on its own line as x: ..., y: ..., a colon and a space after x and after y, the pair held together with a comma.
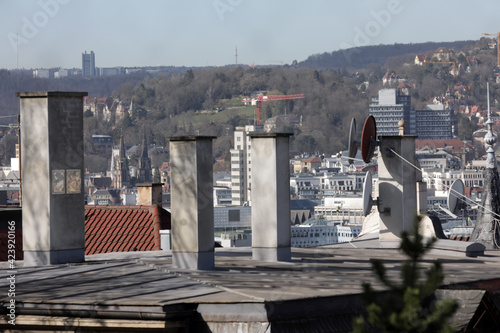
x: 236, y: 55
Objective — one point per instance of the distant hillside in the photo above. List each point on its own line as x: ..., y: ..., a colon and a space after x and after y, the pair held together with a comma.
x: 360, y: 57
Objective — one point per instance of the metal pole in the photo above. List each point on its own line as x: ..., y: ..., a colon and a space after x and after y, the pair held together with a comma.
x: 19, y: 159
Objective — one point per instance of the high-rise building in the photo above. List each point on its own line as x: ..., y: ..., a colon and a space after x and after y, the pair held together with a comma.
x: 436, y: 122
x: 388, y: 108
x: 393, y: 105
x: 88, y: 64
x: 241, y: 165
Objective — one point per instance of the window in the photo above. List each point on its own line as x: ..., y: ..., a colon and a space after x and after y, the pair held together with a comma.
x: 233, y: 215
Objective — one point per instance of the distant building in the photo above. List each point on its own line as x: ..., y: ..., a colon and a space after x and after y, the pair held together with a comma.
x: 241, y: 165
x: 393, y: 105
x: 103, y: 144
x: 61, y: 73
x: 420, y: 59
x: 107, y: 71
x: 388, y: 108
x: 319, y: 231
x: 222, y: 196
x: 281, y: 123
x: 443, y: 54
x: 41, y: 73
x: 436, y: 122
x: 88, y: 64
x: 105, y: 197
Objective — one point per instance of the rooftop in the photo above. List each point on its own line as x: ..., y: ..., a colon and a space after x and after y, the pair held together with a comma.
x: 318, y: 289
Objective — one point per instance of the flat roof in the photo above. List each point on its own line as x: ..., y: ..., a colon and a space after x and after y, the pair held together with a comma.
x: 317, y: 283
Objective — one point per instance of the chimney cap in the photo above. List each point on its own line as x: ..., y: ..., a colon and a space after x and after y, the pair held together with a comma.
x: 191, y: 138
x: 149, y: 184
x: 32, y: 94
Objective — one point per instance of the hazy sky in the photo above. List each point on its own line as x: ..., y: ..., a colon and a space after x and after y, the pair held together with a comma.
x: 54, y: 33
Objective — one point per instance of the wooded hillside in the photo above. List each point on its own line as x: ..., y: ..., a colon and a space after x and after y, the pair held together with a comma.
x: 207, y: 101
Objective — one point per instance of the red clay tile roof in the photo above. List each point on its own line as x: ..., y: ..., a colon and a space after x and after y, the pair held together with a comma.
x: 124, y: 228
x: 457, y: 144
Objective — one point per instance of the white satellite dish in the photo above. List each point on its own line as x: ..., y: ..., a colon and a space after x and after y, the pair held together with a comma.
x: 367, y: 194
x: 455, y: 195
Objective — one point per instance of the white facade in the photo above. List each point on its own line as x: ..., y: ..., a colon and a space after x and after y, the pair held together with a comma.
x: 222, y: 196
x: 241, y: 165
x: 304, y: 186
x: 317, y: 235
x: 41, y: 73
x: 441, y: 181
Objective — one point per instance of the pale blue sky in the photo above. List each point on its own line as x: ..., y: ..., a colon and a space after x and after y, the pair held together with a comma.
x: 54, y: 33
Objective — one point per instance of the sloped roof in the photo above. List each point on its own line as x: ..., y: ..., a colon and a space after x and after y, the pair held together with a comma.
x: 101, y: 182
x: 442, y: 50
x: 124, y: 228
x: 453, y: 145
x: 421, y: 57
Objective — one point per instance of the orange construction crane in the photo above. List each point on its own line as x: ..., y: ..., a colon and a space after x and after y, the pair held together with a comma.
x: 498, y: 46
x: 259, y: 99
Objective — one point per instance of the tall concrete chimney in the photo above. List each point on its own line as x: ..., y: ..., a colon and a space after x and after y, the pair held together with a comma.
x: 192, y: 202
x: 271, y: 232
x: 397, y: 188
x: 52, y: 177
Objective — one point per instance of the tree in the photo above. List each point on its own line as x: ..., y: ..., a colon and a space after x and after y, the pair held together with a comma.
x: 465, y: 128
x: 409, y: 306
x: 126, y: 121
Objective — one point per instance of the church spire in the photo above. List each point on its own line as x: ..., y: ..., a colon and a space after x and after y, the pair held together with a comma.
x: 487, y: 229
x: 490, y: 138
x: 144, y: 146
x: 122, y: 176
x: 145, y: 170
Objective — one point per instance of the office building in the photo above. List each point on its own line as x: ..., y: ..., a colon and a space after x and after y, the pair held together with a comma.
x: 435, y: 122
x: 393, y: 105
x: 88, y: 64
x: 388, y: 108
x: 241, y: 165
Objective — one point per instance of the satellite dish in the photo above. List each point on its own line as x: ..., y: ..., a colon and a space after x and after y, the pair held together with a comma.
x: 455, y: 195
x: 367, y: 194
x: 353, y: 144
x: 368, y: 139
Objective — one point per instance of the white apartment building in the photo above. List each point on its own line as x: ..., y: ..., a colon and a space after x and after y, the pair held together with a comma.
x: 241, y: 165
x: 438, y: 180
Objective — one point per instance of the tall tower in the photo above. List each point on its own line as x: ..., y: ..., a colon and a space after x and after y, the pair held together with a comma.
x: 236, y: 55
x: 88, y: 64
x: 145, y: 171
x: 241, y: 165
x: 487, y: 229
x: 122, y: 175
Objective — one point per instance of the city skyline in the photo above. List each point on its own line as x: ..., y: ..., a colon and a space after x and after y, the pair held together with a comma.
x: 54, y: 33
